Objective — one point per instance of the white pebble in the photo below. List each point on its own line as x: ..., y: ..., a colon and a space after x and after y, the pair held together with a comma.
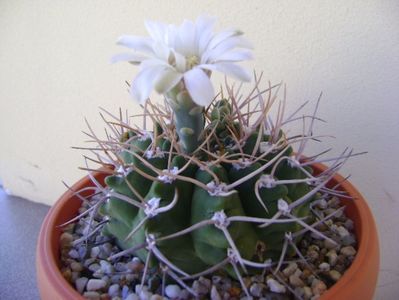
x: 106, y: 267
x: 325, y: 267
x: 80, y: 284
x: 113, y: 290
x: 342, y: 231
x: 73, y: 253
x: 172, y: 291
x: 132, y: 297
x: 348, y: 251
x: 95, y: 284
x: 275, y: 286
x: 94, y: 267
x: 94, y: 252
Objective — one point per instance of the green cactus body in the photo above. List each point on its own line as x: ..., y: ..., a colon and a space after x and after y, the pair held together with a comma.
x: 145, y: 157
x: 204, y: 206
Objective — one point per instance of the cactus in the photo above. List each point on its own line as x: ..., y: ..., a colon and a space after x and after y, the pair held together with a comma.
x: 215, y: 187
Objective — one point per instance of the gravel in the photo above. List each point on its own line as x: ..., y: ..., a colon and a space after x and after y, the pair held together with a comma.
x: 86, y: 266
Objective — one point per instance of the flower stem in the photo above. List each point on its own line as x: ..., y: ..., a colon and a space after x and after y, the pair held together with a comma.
x: 189, y: 120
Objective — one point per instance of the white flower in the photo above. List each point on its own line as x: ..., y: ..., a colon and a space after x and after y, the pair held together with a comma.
x: 187, y: 53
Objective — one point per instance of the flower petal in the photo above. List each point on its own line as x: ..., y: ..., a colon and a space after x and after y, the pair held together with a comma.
x: 142, y: 44
x: 204, y: 28
x: 235, y: 55
x: 144, y: 82
x: 157, y: 30
x: 161, y: 51
x: 130, y: 57
x: 167, y: 80
x: 230, y: 69
x: 212, y: 54
x: 199, y: 86
x: 186, y: 43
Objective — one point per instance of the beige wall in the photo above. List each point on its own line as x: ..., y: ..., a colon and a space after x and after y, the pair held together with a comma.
x: 54, y: 71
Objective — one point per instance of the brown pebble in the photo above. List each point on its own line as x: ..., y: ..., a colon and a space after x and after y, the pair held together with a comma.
x: 234, y: 291
x: 67, y: 274
x: 296, y: 281
x: 348, y: 251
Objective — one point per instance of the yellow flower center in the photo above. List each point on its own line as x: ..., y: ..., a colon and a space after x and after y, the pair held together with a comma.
x: 192, y: 61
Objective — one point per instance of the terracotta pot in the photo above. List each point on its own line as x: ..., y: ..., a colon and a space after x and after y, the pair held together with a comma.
x: 358, y: 282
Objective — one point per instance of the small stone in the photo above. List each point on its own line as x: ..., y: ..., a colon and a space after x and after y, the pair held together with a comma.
x: 94, y: 267
x: 234, y: 291
x: 145, y: 295
x: 82, y: 250
x: 342, y: 231
x: 318, y: 287
x: 256, y: 289
x: 135, y: 266
x: 66, y: 239
x: 299, y: 291
x: 329, y: 245
x: 113, y: 290
x: 348, y: 251
x: 76, y: 266
x: 275, y: 286
x: 348, y: 224
x: 115, y: 278
x: 298, y: 273
x: 75, y: 276
x: 348, y: 240
x: 322, y: 204
x: 200, y: 288
x: 215, y: 294
x: 296, y: 281
x: 92, y: 295
x: 74, y: 254
x: 332, y: 257
x: 307, y: 292
x: 120, y: 267
x: 95, y: 251
x: 95, y: 284
x: 137, y: 288
x: 132, y: 297
x: 334, y: 275
x: 80, y: 284
x: 324, y: 267
x: 172, y: 291
x: 106, y: 267
x: 206, y: 282
x: 67, y: 274
x: 290, y: 269
x: 312, y: 255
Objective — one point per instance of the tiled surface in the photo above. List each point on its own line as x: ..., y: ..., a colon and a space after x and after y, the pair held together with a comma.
x: 20, y: 222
